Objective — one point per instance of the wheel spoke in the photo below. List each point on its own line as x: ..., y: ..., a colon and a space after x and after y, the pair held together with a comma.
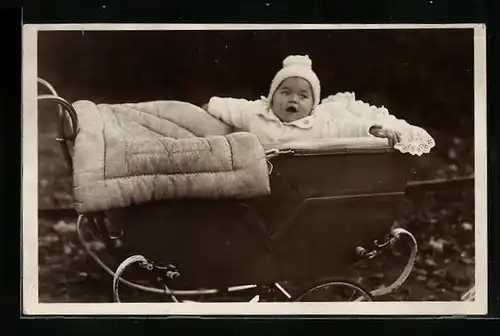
x: 352, y: 295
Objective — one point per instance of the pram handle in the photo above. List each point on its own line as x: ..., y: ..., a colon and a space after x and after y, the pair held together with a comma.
x: 66, y: 112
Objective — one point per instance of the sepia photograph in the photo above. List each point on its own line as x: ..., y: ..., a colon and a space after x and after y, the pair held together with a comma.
x: 260, y: 169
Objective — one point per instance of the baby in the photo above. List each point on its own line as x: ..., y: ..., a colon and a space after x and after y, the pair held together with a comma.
x: 293, y: 112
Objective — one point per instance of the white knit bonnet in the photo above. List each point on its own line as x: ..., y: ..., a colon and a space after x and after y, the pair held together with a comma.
x: 297, y: 66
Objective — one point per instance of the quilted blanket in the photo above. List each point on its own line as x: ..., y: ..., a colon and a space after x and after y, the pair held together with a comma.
x: 132, y: 153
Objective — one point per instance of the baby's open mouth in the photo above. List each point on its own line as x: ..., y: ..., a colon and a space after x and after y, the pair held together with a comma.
x: 291, y: 109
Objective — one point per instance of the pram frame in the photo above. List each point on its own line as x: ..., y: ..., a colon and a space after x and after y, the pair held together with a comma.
x: 68, y: 114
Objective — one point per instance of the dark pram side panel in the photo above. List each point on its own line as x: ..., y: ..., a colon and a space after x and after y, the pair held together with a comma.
x: 321, y: 207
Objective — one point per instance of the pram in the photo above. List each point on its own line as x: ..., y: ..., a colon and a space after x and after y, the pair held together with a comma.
x: 308, y: 228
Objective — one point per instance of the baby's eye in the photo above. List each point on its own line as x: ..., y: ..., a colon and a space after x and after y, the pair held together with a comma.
x: 304, y: 96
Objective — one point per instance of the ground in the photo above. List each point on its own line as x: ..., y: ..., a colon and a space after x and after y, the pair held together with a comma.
x: 442, y: 222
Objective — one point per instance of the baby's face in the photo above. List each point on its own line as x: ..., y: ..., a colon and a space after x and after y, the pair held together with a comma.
x: 293, y: 99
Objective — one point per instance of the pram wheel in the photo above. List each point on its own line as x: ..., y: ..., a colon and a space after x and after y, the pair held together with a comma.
x: 334, y: 290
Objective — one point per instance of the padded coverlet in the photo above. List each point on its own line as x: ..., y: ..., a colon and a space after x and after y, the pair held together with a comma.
x: 132, y: 153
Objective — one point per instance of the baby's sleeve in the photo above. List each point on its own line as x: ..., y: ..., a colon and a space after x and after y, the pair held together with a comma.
x: 231, y: 111
x: 338, y: 122
x: 347, y: 128
x: 380, y: 115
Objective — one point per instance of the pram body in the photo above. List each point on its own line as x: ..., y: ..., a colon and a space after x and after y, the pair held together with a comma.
x: 330, y: 205
x: 308, y: 227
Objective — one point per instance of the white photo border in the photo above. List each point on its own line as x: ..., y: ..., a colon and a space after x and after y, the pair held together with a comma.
x: 30, y: 303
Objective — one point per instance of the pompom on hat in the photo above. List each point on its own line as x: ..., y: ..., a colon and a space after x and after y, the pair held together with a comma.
x: 297, y: 66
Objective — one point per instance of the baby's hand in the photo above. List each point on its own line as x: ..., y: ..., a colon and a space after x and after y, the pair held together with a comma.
x: 382, y: 132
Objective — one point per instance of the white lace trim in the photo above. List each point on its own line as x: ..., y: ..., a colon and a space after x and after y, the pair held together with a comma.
x: 414, y: 140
